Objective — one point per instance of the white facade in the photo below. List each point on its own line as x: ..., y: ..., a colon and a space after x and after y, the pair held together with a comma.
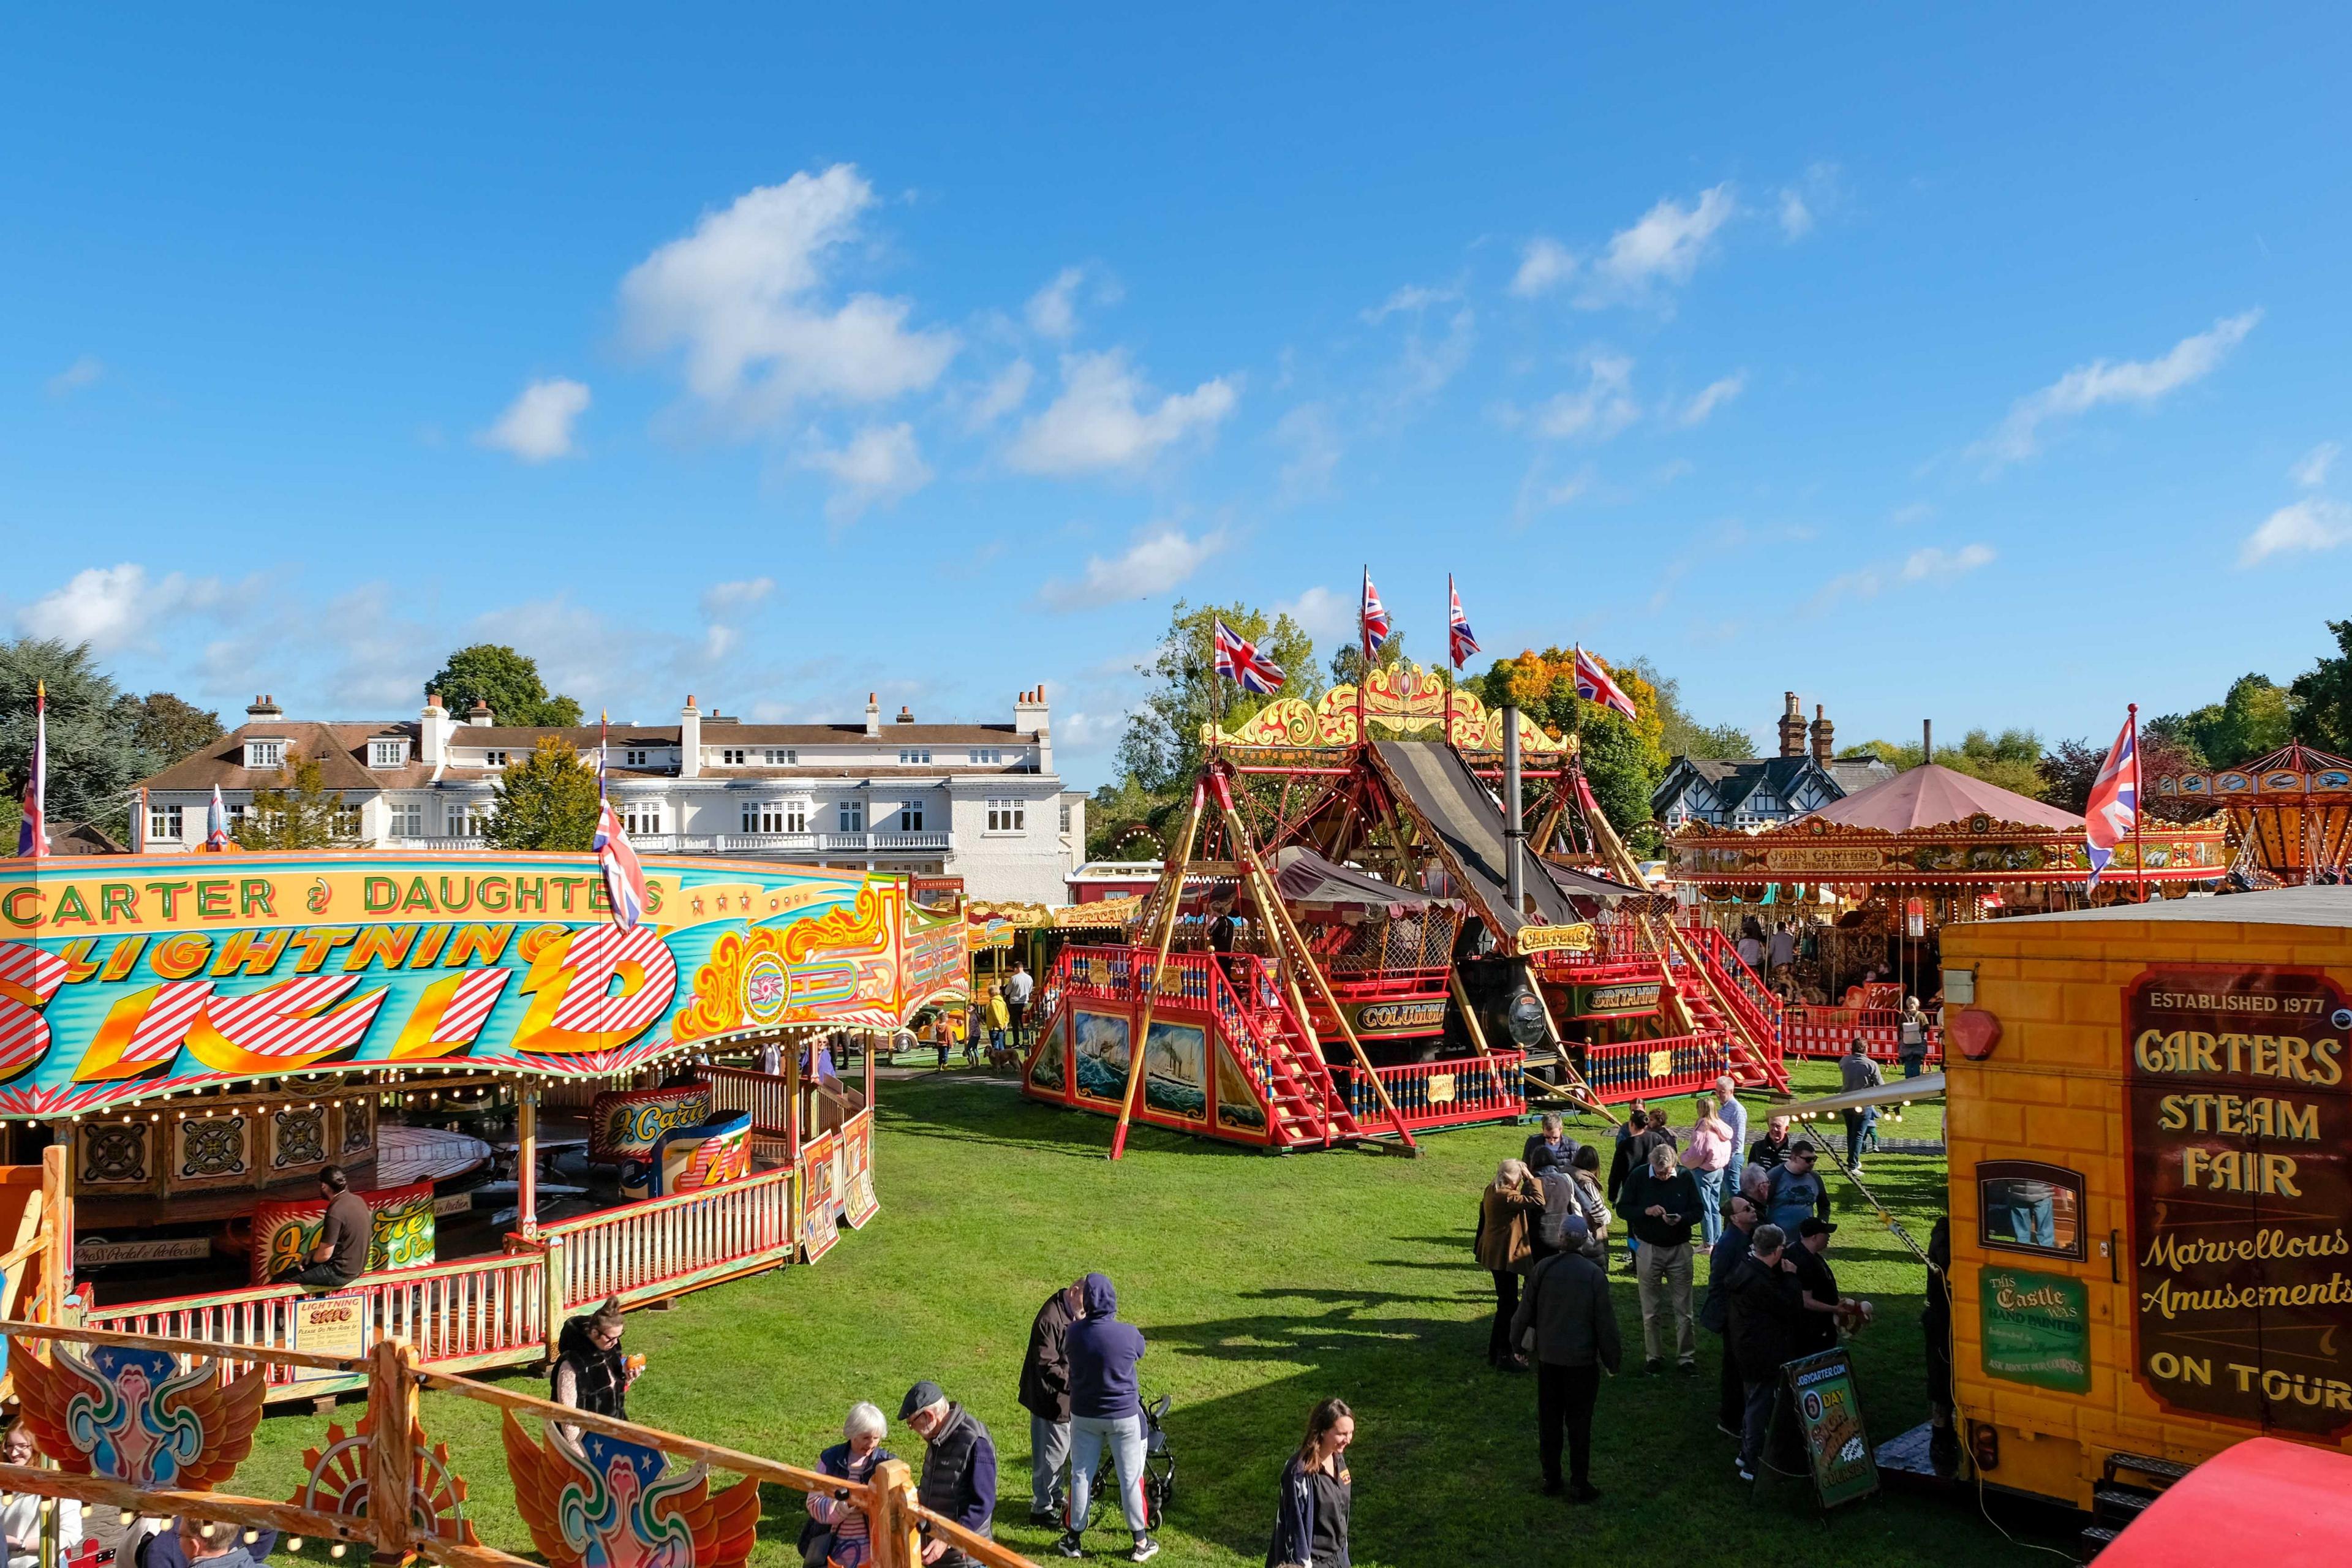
x: 976, y: 801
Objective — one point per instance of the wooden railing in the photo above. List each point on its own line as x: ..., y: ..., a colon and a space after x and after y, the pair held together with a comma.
x: 479, y: 1312
x: 765, y: 1095
x: 665, y: 1245
x: 1440, y: 1094
x: 1635, y: 1069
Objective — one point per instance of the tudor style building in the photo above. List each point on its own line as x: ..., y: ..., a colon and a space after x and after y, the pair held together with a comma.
x: 976, y: 801
x: 1758, y: 792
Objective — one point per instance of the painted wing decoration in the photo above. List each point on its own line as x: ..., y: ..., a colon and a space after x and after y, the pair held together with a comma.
x: 132, y: 1415
x: 599, y: 1501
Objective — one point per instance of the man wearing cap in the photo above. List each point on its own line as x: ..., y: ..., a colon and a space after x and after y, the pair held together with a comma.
x: 1573, y: 1324
x: 959, y: 1468
x: 1817, y: 1331
x: 1797, y: 1190
x: 1765, y: 1305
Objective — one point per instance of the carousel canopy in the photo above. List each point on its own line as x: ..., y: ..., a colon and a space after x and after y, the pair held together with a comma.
x: 1305, y: 879
x: 1937, y: 797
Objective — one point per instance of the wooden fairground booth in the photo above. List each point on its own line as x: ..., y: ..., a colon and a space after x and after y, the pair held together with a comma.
x: 1870, y: 883
x: 2151, y: 1137
x: 1353, y: 939
x: 186, y: 1041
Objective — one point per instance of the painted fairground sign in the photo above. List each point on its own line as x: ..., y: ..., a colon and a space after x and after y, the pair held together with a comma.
x: 2240, y: 1126
x: 1977, y: 850
x: 130, y: 977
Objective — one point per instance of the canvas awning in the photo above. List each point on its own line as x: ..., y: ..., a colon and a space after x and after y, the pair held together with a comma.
x: 1305, y: 879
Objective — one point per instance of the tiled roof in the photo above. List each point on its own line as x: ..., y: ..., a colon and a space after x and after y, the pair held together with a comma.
x: 342, y: 751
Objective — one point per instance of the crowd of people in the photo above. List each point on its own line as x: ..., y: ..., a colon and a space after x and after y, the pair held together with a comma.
x: 1545, y: 1231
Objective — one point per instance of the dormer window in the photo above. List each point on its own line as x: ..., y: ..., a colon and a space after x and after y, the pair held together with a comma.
x: 732, y: 756
x: 265, y: 753
x: 914, y: 757
x: 636, y: 757
x: 494, y: 759
x: 387, y: 753
x: 781, y: 759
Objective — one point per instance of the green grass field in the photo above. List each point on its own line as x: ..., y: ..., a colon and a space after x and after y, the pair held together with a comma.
x: 1264, y: 1284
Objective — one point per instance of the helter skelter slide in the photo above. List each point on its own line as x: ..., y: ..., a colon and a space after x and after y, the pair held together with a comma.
x: 1339, y: 951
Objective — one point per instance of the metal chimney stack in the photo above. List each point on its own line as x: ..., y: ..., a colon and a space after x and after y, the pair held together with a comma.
x: 1515, y: 830
x: 1927, y: 740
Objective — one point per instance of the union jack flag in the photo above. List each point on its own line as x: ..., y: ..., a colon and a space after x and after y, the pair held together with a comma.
x: 217, y: 823
x: 1376, y: 618
x: 1592, y: 684
x: 2114, y: 808
x: 1460, y: 642
x: 33, y: 832
x: 624, y: 879
x: 1239, y: 657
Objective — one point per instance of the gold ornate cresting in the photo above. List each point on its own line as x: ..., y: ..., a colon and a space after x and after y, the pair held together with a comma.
x: 1399, y: 702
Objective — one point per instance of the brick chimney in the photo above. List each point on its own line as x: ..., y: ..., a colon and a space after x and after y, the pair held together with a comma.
x: 1823, y: 750
x: 872, y: 715
x: 1792, y: 727
x: 905, y: 714
x: 264, y: 707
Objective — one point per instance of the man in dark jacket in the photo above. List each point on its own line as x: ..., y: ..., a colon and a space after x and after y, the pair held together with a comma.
x: 1046, y: 1394
x: 1567, y: 1307
x: 1662, y: 1205
x: 1765, y: 1310
x: 1730, y: 1252
x: 1105, y: 1411
x: 1773, y: 1147
x: 959, y: 1468
x: 344, y: 1234
x: 1817, y: 1331
x: 1550, y: 1134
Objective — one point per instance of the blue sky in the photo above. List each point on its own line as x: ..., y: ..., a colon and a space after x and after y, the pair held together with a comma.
x: 1987, y: 367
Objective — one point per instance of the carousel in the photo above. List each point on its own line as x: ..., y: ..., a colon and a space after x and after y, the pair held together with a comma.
x: 1868, y: 883
x: 539, y: 1104
x: 2290, y: 813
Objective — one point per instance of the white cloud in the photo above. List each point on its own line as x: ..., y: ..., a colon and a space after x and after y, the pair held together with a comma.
x: 1540, y: 492
x: 1667, y: 245
x: 2311, y: 471
x: 1921, y: 565
x: 1910, y: 512
x: 115, y: 607
x: 724, y: 598
x: 1603, y: 407
x: 1796, y: 218
x: 1713, y: 396
x: 2314, y: 523
x: 1543, y: 265
x: 2092, y: 385
x: 1413, y: 298
x: 742, y: 298
x: 1321, y: 613
x: 1054, y: 310
x: 1312, y: 437
x: 537, y: 426
x: 83, y: 372
x: 1161, y: 557
x: 1105, y: 418
x: 1005, y: 391
x: 881, y: 466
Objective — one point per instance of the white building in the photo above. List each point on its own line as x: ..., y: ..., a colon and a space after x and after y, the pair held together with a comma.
x: 976, y: 801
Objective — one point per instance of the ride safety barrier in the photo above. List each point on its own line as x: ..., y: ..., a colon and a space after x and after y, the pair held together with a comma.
x: 384, y: 1486
x: 663, y: 1246
x: 1679, y: 1064
x: 1820, y: 1032
x: 1449, y: 1093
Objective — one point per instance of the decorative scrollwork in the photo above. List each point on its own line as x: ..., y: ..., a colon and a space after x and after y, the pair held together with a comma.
x: 337, y: 1479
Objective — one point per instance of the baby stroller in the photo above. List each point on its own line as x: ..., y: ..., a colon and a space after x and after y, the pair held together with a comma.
x: 1158, y: 1474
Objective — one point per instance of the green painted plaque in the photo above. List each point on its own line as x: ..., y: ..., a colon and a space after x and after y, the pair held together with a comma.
x: 2037, y: 1329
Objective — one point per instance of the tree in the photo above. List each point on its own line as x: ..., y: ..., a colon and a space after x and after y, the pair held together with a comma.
x: 1346, y: 664
x: 2256, y: 717
x: 95, y: 754
x: 2072, y: 767
x: 1623, y: 758
x: 547, y: 801
x: 508, y: 681
x: 2068, y: 771
x: 168, y: 728
x: 1161, y: 749
x: 2012, y: 760
x: 297, y: 811
x: 2323, y: 697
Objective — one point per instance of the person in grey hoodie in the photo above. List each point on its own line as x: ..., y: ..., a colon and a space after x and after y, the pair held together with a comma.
x: 1105, y: 1411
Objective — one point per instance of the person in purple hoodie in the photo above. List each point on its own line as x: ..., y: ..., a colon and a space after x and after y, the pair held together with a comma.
x: 1105, y: 1410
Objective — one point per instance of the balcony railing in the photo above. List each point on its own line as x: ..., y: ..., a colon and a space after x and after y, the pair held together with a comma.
x: 784, y: 844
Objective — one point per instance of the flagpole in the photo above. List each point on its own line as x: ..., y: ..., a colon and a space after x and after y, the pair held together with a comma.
x: 2139, y: 858
x: 1445, y: 711
x: 1364, y: 645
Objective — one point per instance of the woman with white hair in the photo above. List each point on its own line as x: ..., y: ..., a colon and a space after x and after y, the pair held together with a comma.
x: 1509, y: 1209
x: 838, y: 1531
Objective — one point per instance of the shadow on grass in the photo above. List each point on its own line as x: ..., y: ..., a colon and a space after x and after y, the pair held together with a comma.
x: 942, y: 1110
